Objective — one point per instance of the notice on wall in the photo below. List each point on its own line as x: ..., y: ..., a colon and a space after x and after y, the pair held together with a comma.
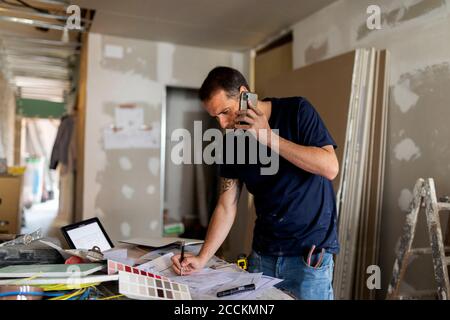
x: 129, y: 130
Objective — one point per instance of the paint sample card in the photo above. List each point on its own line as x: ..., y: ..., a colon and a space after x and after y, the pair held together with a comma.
x: 141, y: 287
x: 114, y: 267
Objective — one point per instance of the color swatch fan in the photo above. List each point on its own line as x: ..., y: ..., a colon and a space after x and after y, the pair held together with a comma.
x: 141, y: 287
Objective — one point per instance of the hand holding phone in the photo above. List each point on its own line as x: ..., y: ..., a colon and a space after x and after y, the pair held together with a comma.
x: 244, y: 98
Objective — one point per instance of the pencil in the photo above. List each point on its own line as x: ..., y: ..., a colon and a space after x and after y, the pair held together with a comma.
x: 182, y: 256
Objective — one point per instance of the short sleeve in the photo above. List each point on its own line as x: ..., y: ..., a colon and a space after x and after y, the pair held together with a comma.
x: 227, y: 171
x: 312, y: 130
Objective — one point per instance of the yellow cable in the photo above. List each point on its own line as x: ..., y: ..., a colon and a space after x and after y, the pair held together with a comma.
x: 70, y: 295
x: 18, y: 282
x: 112, y: 297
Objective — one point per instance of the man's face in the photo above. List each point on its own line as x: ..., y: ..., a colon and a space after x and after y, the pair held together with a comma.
x: 223, y: 108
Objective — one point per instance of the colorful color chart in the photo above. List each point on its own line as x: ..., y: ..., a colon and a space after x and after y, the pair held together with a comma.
x: 141, y: 287
x: 114, y: 267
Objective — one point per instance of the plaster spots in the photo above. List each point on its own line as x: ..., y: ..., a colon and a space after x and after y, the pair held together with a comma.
x: 154, y: 225
x: 405, y: 199
x: 404, y: 97
x: 403, y: 14
x: 113, y: 51
x: 133, y: 57
x: 407, y: 150
x: 151, y: 189
x: 316, y: 51
x: 419, y: 9
x: 127, y: 191
x: 153, y: 166
x: 125, y: 229
x: 125, y: 163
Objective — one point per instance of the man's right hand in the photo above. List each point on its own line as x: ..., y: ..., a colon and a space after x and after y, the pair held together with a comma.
x: 189, y: 265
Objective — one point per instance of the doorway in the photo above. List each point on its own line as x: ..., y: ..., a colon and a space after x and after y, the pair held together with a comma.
x: 40, y: 193
x: 190, y: 190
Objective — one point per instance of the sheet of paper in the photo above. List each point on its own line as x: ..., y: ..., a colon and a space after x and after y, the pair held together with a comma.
x: 129, y: 117
x: 131, y: 138
x: 241, y: 279
x: 206, y: 281
x: 264, y: 283
x: 161, y: 265
x: 119, y: 255
x: 161, y: 241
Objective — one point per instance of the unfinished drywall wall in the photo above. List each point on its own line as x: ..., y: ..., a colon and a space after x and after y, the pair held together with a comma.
x: 122, y: 187
x: 416, y: 33
x: 7, y: 116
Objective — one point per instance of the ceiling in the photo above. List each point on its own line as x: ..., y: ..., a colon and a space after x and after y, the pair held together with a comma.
x: 37, y: 57
x: 40, y: 60
x: 228, y: 25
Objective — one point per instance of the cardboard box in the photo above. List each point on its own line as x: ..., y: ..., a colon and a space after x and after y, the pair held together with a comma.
x: 10, y: 204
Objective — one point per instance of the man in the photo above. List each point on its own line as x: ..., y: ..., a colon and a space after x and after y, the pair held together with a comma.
x: 295, y: 233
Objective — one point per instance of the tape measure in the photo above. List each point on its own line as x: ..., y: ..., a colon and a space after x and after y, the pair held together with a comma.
x: 242, y: 262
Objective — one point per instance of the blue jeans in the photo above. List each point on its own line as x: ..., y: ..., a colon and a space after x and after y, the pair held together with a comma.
x: 300, y: 280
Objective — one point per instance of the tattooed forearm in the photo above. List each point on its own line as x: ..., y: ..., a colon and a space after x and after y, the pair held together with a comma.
x: 228, y: 184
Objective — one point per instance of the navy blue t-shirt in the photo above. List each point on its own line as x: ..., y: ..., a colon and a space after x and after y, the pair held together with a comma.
x: 295, y: 209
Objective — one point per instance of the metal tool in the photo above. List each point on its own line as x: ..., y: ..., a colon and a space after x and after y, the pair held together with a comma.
x: 94, y: 254
x: 25, y: 239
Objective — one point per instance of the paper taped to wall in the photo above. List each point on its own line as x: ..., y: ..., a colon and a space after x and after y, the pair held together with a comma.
x: 131, y: 138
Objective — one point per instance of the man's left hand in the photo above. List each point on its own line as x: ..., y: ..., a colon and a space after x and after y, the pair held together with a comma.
x: 255, y: 121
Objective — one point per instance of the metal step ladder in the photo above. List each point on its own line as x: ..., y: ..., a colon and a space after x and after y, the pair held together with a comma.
x: 424, y: 195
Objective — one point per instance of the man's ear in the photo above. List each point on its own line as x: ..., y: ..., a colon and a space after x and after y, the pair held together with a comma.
x: 242, y: 89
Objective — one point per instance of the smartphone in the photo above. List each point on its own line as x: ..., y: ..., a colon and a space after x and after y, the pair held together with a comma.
x: 243, y: 101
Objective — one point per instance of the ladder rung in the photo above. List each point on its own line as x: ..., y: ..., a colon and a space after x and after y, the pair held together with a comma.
x: 447, y: 260
x: 419, y: 294
x: 416, y: 251
x: 444, y: 206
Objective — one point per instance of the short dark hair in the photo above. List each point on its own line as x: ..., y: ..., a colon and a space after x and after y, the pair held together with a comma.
x: 228, y: 79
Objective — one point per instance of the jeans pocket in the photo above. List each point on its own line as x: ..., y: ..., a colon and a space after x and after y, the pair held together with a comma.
x: 317, y: 283
x: 325, y: 265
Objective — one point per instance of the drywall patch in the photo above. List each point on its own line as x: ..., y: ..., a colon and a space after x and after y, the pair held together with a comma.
x: 113, y: 51
x: 419, y: 9
x: 151, y: 189
x: 407, y: 150
x: 127, y: 192
x: 403, y: 14
x: 404, y: 97
x: 405, y: 199
x: 129, y: 56
x: 125, y: 229
x: 153, y: 166
x: 125, y: 163
x: 316, y: 51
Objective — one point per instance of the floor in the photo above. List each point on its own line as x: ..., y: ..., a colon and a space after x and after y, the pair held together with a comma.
x: 41, y: 215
